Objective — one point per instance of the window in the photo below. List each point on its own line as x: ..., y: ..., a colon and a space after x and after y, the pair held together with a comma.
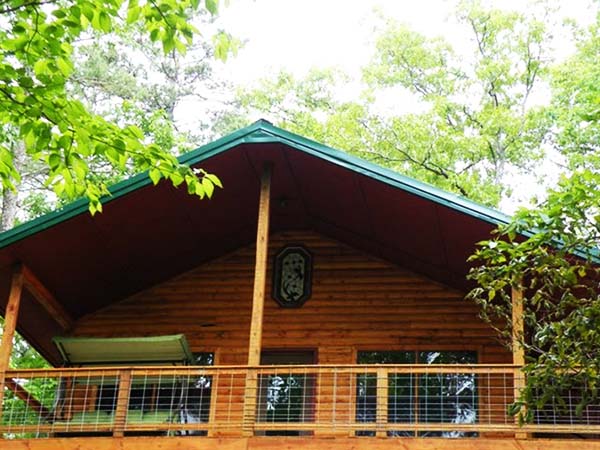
x: 430, y: 398
x: 286, y: 396
x: 173, y: 398
x: 196, y: 398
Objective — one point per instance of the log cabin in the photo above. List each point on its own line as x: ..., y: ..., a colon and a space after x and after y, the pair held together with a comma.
x: 315, y: 302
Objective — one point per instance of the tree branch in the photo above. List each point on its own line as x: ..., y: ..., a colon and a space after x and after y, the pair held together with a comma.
x: 16, y: 8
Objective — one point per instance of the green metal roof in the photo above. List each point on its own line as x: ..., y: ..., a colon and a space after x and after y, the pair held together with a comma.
x: 264, y: 132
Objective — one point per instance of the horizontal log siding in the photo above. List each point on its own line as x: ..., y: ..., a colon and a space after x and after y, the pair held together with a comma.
x: 358, y: 302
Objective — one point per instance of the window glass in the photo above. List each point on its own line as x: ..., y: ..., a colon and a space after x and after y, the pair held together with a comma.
x: 432, y: 398
x: 197, y: 392
x: 286, y: 396
x: 400, y: 406
x: 447, y: 398
x: 386, y: 357
x: 187, y: 400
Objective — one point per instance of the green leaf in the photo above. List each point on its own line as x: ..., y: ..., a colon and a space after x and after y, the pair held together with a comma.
x: 133, y: 14
x: 25, y: 81
x: 222, y: 45
x: 168, y: 44
x: 176, y: 179
x: 212, y: 6
x: 59, y: 189
x: 180, y: 47
x: 154, y: 175
x: 40, y: 67
x: 54, y: 161
x: 208, y: 187
x: 88, y: 11
x: 64, y: 66
x: 79, y: 167
x: 19, y: 29
x: 155, y: 34
x: 214, y: 179
x: 105, y: 22
x: 198, y: 189
x: 74, y: 25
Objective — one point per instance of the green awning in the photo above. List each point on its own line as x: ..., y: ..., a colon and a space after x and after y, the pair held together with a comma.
x: 77, y: 351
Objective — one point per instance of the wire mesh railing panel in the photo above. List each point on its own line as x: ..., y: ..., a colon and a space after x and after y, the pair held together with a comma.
x: 567, y: 408
x: 458, y: 401
x: 54, y: 402
x: 169, y: 403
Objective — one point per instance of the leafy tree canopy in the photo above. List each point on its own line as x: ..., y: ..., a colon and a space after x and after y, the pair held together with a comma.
x: 37, y: 43
x: 473, y: 123
x: 552, y: 253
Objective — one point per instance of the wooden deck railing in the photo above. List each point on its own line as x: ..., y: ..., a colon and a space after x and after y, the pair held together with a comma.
x: 354, y: 400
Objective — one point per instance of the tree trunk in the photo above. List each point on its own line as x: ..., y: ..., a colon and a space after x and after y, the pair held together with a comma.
x: 10, y: 197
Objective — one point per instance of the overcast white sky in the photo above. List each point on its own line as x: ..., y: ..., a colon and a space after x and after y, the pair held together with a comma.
x: 300, y: 34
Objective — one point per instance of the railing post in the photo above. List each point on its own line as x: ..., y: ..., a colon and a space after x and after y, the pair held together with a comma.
x: 250, y: 397
x: 122, y: 403
x: 382, y: 402
x: 212, y: 413
x: 415, y: 384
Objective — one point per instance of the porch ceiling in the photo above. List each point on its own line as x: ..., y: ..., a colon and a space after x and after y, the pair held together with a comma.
x: 148, y: 234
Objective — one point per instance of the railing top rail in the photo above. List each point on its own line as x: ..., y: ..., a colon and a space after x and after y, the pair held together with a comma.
x: 244, y: 367
x: 111, y: 371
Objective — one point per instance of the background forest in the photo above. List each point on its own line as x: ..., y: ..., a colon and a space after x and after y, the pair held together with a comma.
x: 505, y: 112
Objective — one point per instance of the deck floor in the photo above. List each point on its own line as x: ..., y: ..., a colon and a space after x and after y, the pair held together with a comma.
x: 279, y: 443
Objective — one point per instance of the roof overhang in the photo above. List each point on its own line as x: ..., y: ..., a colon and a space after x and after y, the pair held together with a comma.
x: 85, y: 351
x: 148, y: 234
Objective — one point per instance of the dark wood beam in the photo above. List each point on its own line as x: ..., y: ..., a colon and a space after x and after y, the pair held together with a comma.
x: 47, y: 300
x: 26, y: 396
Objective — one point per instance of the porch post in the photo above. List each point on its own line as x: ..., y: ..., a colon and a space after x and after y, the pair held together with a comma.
x: 258, y: 299
x: 10, y: 324
x: 260, y: 267
x: 518, y: 352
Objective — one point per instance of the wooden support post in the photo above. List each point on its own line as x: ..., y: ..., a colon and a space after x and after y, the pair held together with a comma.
x: 122, y: 403
x: 47, y: 300
x: 382, y: 402
x: 10, y: 326
x: 260, y: 267
x: 10, y: 318
x: 258, y: 299
x: 518, y: 329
